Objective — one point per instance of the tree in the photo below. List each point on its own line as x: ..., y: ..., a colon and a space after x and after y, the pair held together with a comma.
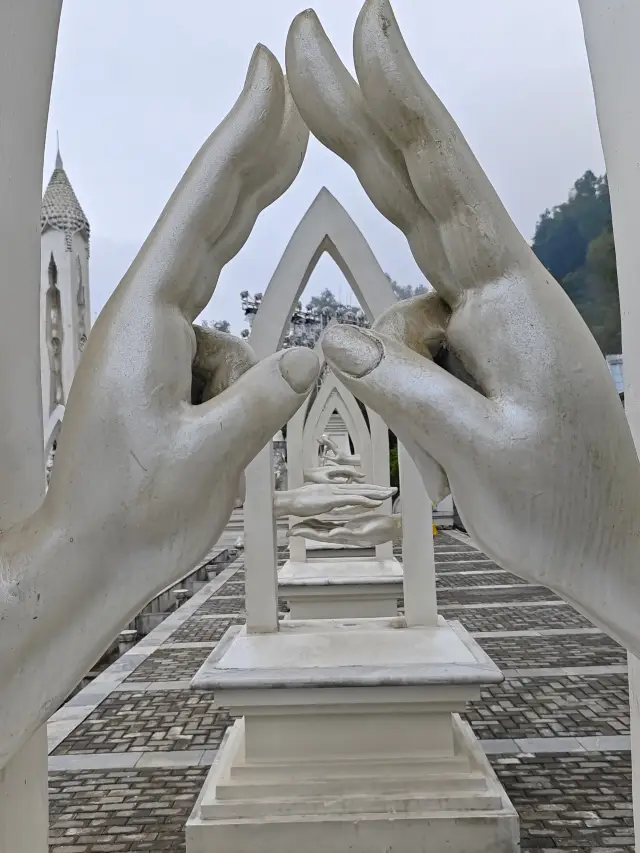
x: 218, y: 325
x: 405, y: 291
x: 575, y: 242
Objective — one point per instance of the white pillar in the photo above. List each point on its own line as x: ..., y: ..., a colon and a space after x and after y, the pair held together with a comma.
x: 260, y: 546
x: 418, y: 559
x: 380, y: 471
x: 28, y: 36
x: 612, y: 34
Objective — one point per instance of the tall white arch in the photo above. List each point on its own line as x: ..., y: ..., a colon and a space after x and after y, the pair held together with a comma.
x: 325, y: 227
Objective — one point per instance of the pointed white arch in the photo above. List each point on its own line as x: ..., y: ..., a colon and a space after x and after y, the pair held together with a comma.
x: 325, y: 227
x: 333, y: 396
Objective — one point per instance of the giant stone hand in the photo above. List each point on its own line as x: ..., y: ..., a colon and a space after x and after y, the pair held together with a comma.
x: 315, y: 499
x: 364, y: 531
x: 144, y: 480
x: 334, y: 474
x: 494, y: 378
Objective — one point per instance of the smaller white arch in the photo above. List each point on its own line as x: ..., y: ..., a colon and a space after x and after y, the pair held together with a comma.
x: 325, y: 227
x: 334, y: 397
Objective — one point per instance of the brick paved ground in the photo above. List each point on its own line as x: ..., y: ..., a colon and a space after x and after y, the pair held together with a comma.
x: 507, y: 618
x: 202, y: 629
x: 122, y: 811
x: 565, y: 682
x: 563, y: 706
x: 556, y: 651
x: 171, y: 664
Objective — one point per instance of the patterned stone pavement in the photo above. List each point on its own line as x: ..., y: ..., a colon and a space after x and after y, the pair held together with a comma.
x: 129, y: 753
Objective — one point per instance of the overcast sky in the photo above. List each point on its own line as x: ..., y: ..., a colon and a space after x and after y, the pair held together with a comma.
x: 140, y: 84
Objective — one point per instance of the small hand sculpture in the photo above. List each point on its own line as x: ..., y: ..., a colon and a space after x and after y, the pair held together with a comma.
x: 518, y: 407
x: 145, y: 481
x: 365, y: 531
x: 334, y: 474
x: 333, y: 455
x: 315, y: 499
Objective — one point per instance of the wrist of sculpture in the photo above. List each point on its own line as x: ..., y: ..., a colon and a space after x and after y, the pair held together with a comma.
x: 59, y: 612
x: 282, y: 504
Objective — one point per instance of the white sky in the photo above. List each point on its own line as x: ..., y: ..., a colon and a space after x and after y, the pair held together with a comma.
x: 140, y: 84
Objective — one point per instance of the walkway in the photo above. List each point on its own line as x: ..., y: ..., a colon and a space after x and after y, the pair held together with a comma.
x: 130, y: 752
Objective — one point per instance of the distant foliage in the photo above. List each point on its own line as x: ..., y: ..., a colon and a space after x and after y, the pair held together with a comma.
x: 575, y: 243
x: 307, y: 324
x: 217, y: 325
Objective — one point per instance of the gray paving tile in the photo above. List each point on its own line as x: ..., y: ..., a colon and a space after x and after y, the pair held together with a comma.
x: 539, y: 745
x: 96, y: 761
x: 606, y: 743
x: 506, y: 746
x: 185, y: 758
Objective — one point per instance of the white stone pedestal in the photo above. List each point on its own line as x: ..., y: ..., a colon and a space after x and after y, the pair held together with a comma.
x: 338, y: 588
x: 349, y: 741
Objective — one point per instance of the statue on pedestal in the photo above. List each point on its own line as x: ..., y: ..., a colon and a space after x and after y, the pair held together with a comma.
x: 332, y: 455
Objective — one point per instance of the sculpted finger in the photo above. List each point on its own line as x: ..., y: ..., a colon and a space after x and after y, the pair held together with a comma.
x: 332, y: 104
x: 267, y: 180
x: 419, y: 400
x: 357, y: 500
x: 479, y: 240
x: 419, y: 323
x: 220, y: 360
x: 377, y: 492
x: 342, y: 473
x: 180, y: 262
x: 244, y: 417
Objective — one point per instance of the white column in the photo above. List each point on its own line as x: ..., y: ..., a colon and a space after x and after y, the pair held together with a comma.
x: 260, y: 546
x: 612, y: 35
x: 28, y: 36
x: 418, y: 559
x: 295, y: 472
x: 380, y: 470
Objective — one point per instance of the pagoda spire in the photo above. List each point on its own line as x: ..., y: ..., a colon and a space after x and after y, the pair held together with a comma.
x: 59, y: 163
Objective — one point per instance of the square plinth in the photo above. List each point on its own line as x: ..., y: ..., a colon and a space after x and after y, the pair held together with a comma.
x: 347, y: 653
x: 336, y: 589
x: 348, y: 740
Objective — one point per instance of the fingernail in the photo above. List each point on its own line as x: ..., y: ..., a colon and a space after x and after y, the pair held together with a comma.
x: 300, y: 367
x: 353, y: 351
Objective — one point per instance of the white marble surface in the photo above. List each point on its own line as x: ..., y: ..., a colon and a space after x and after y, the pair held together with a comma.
x: 341, y: 653
x: 340, y: 572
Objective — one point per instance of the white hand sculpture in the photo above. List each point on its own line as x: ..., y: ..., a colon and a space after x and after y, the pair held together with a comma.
x: 364, y: 531
x: 334, y: 474
x: 144, y: 481
x: 315, y: 499
x: 519, y: 408
x: 337, y: 457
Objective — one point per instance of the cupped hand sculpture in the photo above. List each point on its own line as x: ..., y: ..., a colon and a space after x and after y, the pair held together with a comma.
x: 334, y: 474
x: 315, y: 499
x: 332, y: 453
x: 494, y: 378
x: 365, y: 531
x: 144, y: 480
